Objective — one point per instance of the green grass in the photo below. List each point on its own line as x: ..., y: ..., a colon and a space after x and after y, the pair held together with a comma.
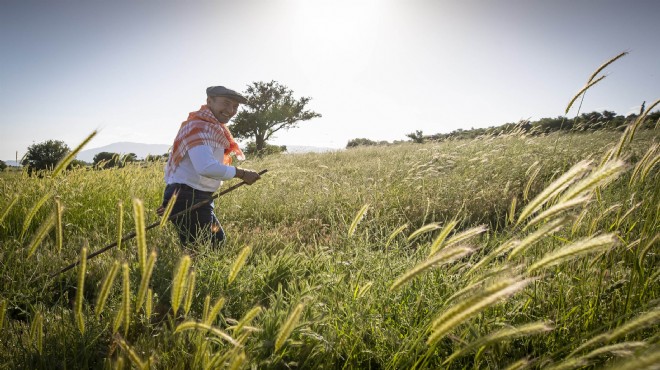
x: 315, y: 289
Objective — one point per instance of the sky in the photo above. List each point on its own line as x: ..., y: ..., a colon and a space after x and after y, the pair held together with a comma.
x: 376, y: 69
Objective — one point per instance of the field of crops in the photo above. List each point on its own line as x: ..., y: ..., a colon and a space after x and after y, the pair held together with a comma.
x: 500, y: 252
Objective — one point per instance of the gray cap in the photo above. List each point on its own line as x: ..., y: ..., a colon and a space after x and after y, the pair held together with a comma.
x: 223, y: 91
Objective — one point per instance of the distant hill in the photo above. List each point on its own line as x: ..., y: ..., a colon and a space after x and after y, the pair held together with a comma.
x: 140, y: 149
x: 295, y: 149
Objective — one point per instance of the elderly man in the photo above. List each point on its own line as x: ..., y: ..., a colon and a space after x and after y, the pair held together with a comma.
x: 200, y: 160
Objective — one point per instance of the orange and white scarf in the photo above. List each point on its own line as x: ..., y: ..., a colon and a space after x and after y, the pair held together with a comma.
x: 202, y: 128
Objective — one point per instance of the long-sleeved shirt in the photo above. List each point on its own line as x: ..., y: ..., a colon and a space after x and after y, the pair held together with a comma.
x: 201, y: 168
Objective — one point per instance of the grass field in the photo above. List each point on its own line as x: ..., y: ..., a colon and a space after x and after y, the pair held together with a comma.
x: 501, y: 252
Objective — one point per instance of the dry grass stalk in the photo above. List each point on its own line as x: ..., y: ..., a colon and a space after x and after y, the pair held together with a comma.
x: 512, y: 210
x: 286, y: 329
x: 466, y: 309
x: 82, y: 269
x: 215, y: 310
x: 40, y: 234
x: 394, y: 233
x: 148, y: 307
x: 190, y: 292
x: 179, y: 282
x: 644, y: 250
x: 528, y: 186
x: 643, y: 162
x: 12, y: 202
x: 191, y: 325
x: 61, y: 165
x: 3, y: 310
x: 558, y: 209
x: 519, y: 365
x: 126, y: 299
x: 545, y: 230
x: 503, y: 248
x: 132, y: 354
x: 106, y: 284
x: 573, y: 250
x: 618, y: 349
x: 649, y: 166
x: 247, y: 318
x: 145, y: 279
x: 644, y: 361
x: 120, y: 224
x: 59, y: 230
x: 356, y: 220
x: 33, y: 211
x: 37, y: 331
x: 582, y: 91
x: 465, y: 235
x: 168, y: 209
x: 502, y: 335
x: 554, y: 188
x: 141, y: 234
x: 442, y: 257
x: 422, y: 230
x: 437, y: 242
x: 238, y: 361
x: 604, y: 65
x: 238, y: 264
x: 601, y: 176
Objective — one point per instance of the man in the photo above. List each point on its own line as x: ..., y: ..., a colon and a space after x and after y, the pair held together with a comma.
x: 199, y: 162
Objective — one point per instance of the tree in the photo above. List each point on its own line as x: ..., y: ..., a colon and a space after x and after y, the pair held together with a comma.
x: 268, y: 149
x: 106, y: 160
x: 417, y: 136
x: 271, y: 107
x: 3, y: 165
x: 44, y: 155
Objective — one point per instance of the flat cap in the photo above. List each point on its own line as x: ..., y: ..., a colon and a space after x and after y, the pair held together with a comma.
x: 223, y: 91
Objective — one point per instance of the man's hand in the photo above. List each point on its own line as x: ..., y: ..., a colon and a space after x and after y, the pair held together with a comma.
x: 250, y: 177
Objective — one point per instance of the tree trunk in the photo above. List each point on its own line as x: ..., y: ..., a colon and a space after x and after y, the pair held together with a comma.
x: 260, y: 143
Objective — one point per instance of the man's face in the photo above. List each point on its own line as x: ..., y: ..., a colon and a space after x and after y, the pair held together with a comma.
x: 222, y: 107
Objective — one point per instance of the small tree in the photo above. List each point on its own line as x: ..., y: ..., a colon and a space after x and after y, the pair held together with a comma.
x: 3, y: 165
x: 417, y: 136
x: 271, y: 107
x: 44, y: 155
x: 251, y: 149
x: 106, y: 160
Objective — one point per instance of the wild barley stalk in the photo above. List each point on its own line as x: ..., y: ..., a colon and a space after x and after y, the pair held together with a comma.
x: 82, y: 269
x: 179, y: 282
x: 120, y: 224
x: 444, y: 256
x: 502, y: 335
x: 422, y: 230
x: 644, y: 250
x: 558, y: 209
x: 582, y: 91
x: 106, y: 284
x: 13, y: 201
x: 126, y: 298
x: 648, y: 360
x: 141, y: 234
x: 466, y: 309
x: 528, y: 186
x: 215, y: 310
x: 618, y: 348
x: 573, y: 250
x: 238, y: 361
x: 512, y: 210
x: 192, y: 325
x: 640, y: 120
x: 59, y: 230
x: 356, y: 220
x: 603, y: 175
x: 168, y: 209
x: 437, y: 242
x: 465, y: 235
x: 37, y: 331
x: 148, y: 307
x: 518, y: 365
x: 207, y: 307
x: 545, y: 230
x: 61, y: 165
x: 643, y: 162
x: 40, y: 234
x: 649, y: 166
x: 238, y: 264
x: 394, y: 233
x: 32, y: 213
x: 247, y: 318
x: 119, y: 318
x: 144, y: 281
x: 3, y: 310
x: 190, y: 292
x: 553, y: 189
x: 132, y: 354
x: 289, y: 325
x: 604, y: 65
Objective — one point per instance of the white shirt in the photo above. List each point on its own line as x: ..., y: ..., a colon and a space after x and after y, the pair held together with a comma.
x: 201, y: 168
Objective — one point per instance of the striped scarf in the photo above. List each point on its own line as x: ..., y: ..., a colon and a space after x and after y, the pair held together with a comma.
x: 202, y: 128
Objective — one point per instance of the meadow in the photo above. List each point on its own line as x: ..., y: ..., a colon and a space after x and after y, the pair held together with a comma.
x: 500, y: 252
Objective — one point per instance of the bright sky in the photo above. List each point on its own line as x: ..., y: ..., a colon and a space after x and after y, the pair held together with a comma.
x: 374, y: 68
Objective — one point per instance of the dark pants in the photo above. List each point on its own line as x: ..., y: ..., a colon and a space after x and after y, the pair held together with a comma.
x: 198, y: 225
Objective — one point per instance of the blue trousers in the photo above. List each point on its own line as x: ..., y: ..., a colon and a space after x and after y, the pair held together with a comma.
x: 195, y: 226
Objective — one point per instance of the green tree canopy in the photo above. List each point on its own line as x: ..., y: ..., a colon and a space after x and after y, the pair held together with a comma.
x: 44, y: 155
x: 106, y: 160
x: 3, y: 165
x: 271, y: 107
